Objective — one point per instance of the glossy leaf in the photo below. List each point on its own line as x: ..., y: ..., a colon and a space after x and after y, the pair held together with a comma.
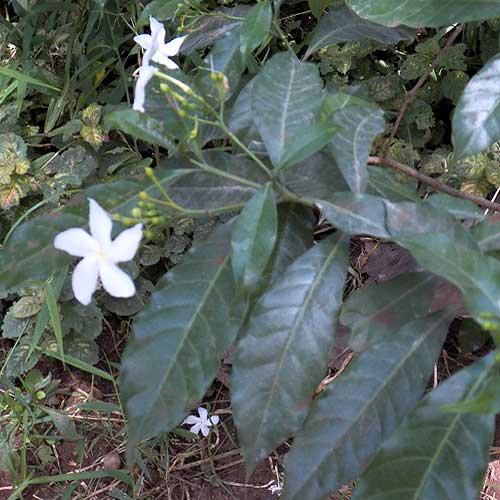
x: 461, y: 209
x: 207, y: 29
x: 382, y: 183
x: 351, y: 146
x: 343, y: 25
x: 294, y: 237
x: 352, y: 417
x: 284, y: 352
x: 141, y: 126
x: 476, y: 120
x: 178, y: 339
x: 435, y: 445
x: 255, y: 26
x: 316, y: 177
x: 286, y: 99
x: 456, y: 257
x: 253, y: 238
x: 202, y: 190
x: 487, y: 234
x: 419, y: 13
x: 381, y: 308
x: 315, y: 137
x: 225, y: 57
x: 318, y: 6
x: 367, y: 214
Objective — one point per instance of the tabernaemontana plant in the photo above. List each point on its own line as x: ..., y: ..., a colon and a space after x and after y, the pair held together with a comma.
x: 269, y: 127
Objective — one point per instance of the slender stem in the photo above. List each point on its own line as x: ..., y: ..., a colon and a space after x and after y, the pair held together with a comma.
x: 410, y: 95
x: 433, y: 183
x: 247, y: 151
x: 240, y: 180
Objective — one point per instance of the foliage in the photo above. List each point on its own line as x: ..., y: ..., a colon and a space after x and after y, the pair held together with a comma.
x: 268, y: 127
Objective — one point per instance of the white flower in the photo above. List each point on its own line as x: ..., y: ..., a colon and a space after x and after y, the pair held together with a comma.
x: 274, y: 488
x: 156, y: 50
x: 202, y: 423
x: 145, y: 74
x: 100, y: 255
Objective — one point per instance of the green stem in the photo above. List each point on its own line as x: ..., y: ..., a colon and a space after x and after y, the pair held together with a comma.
x: 240, y: 180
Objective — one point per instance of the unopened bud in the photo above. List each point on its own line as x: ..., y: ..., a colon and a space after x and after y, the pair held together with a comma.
x: 136, y: 212
x: 143, y: 195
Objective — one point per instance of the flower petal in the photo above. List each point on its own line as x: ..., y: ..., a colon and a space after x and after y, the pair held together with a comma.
x: 215, y: 419
x: 196, y: 428
x: 202, y: 412
x: 163, y: 59
x: 100, y: 224
x: 191, y: 419
x: 125, y: 245
x: 76, y: 241
x: 157, y: 31
x: 172, y: 48
x: 145, y: 74
x: 115, y: 281
x: 84, y: 280
x: 145, y: 41
x: 204, y: 430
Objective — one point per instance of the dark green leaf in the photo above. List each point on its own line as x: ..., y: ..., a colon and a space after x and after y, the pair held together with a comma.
x: 455, y: 256
x: 316, y: 177
x: 178, y: 339
x: 461, y: 209
x: 255, y: 26
x: 382, y: 183
x: 422, y: 458
x: 206, y: 30
x: 225, y: 57
x: 361, y: 408
x: 253, y: 238
x: 294, y: 237
x: 318, y: 6
x: 367, y: 214
x: 476, y: 120
x: 315, y: 137
x: 343, y: 25
x: 286, y: 99
x: 12, y: 327
x: 285, y: 350
x: 487, y: 234
x: 351, y: 146
x: 85, y: 320
x: 142, y: 126
x: 381, y: 308
x: 201, y: 190
x: 240, y: 115
x: 425, y: 12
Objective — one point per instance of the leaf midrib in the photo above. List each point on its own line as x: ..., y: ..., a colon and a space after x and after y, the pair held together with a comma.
x: 296, y: 324
x: 185, y: 337
x: 394, y: 372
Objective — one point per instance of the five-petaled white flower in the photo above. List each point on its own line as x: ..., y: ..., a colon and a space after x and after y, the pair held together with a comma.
x: 156, y: 50
x: 202, y: 423
x: 100, y: 255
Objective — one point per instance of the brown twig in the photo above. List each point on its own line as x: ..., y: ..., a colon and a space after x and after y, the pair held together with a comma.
x: 433, y: 183
x: 410, y: 95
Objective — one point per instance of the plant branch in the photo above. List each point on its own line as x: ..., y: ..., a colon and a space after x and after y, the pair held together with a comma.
x: 433, y: 183
x: 410, y: 95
